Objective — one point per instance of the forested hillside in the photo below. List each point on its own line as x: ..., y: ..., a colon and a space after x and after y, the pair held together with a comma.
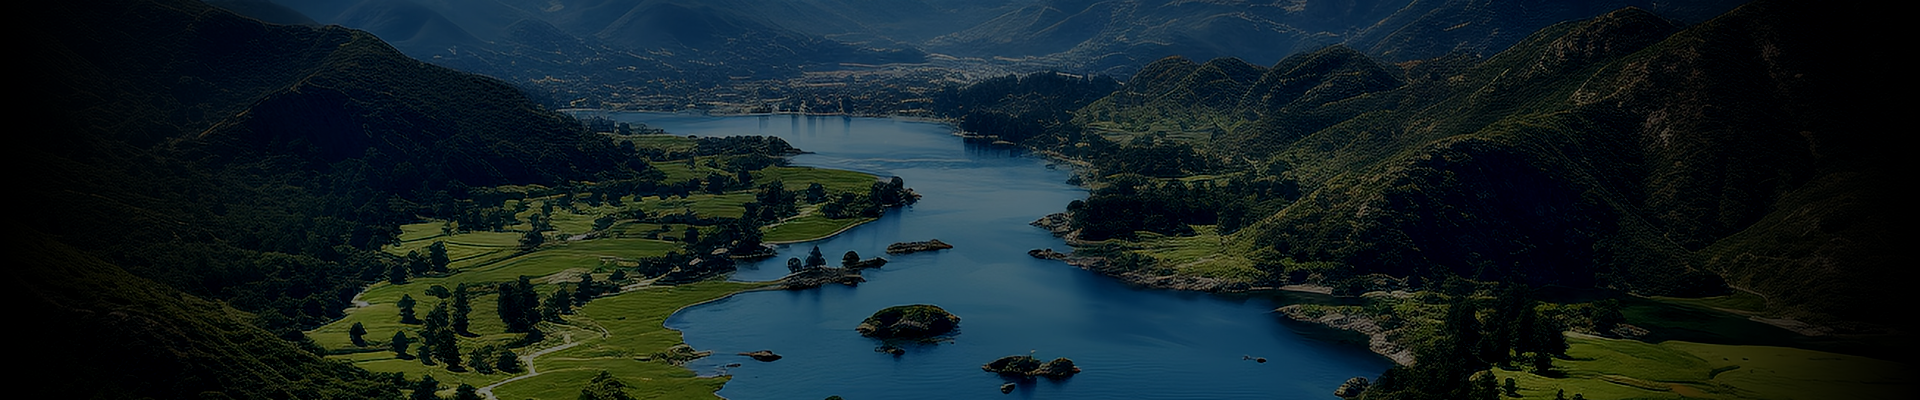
x: 259, y: 165
x: 1624, y: 151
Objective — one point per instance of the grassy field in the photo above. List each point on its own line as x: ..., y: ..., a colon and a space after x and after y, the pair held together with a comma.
x: 1626, y: 369
x: 1205, y: 254
x: 632, y: 324
x: 610, y: 333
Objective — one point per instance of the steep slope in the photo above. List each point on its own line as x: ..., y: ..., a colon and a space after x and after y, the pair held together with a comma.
x: 1620, y: 152
x: 260, y: 164
x: 127, y: 337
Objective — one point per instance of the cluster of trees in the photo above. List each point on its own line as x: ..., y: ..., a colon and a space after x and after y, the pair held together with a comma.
x: 603, y: 124
x: 1151, y: 155
x: 893, y: 192
x: 1019, y: 108
x: 1129, y: 203
x: 1453, y: 364
x: 416, y: 264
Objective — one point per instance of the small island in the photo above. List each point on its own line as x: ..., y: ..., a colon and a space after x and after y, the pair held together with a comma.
x: 915, y: 247
x: 915, y: 321
x: 1026, y: 365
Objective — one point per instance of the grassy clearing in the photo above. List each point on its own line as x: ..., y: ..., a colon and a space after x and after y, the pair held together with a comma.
x: 1205, y: 254
x: 707, y: 205
x: 797, y: 178
x: 810, y: 225
x: 1627, y: 369
x: 634, y: 323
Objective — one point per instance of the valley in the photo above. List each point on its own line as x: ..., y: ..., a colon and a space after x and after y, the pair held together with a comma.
x: 1421, y: 199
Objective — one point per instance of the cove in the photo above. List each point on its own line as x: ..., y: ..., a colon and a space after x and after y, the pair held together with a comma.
x: 1131, y: 343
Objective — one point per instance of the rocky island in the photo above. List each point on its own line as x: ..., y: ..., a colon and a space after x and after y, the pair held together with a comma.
x: 915, y: 247
x: 1026, y: 365
x: 914, y: 321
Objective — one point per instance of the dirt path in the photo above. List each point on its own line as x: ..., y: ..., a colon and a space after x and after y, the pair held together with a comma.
x: 528, y: 361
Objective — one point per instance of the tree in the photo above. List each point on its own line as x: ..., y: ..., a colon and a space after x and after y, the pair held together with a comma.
x: 406, y: 310
x: 518, y: 305
x: 399, y: 344
x: 605, y: 387
x: 437, y: 256
x: 814, y: 259
x: 437, y: 333
x: 439, y: 291
x: 816, y: 193
x: 1483, y: 387
x: 586, y: 289
x: 533, y: 239
x: 507, y: 361
x: 397, y: 273
x: 479, y: 361
x: 466, y: 392
x: 462, y: 305
x: 691, y: 236
x: 794, y: 265
x: 1512, y: 389
x: 418, y: 263
x: 358, y: 334
x: 557, y: 304
x: 425, y: 390
x: 850, y: 258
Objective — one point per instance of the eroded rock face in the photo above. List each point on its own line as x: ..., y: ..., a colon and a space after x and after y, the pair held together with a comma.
x: 915, y: 321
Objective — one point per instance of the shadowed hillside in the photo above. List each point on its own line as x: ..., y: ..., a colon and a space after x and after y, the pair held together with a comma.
x: 257, y: 165
x: 1622, y: 151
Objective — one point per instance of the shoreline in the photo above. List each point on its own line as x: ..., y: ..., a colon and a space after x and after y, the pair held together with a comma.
x: 828, y: 236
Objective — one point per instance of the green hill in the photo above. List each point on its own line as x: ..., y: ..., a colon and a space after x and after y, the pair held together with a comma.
x: 1621, y: 151
x: 261, y: 166
x: 105, y: 333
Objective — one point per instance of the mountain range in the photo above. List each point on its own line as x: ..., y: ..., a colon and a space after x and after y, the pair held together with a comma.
x: 687, y: 47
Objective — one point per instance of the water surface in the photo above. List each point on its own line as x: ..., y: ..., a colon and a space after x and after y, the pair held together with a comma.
x: 1131, y: 343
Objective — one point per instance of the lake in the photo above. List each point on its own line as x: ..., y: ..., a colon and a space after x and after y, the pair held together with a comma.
x: 1131, y: 343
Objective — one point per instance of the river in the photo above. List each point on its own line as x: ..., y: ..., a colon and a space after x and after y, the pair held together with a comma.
x: 1131, y: 343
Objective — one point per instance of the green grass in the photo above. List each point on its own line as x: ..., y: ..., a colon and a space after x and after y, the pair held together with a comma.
x: 634, y: 323
x: 810, y: 225
x: 1627, y: 369
x: 1739, y: 302
x: 706, y: 205
x: 835, y: 181
x: 634, y: 320
x: 1205, y: 254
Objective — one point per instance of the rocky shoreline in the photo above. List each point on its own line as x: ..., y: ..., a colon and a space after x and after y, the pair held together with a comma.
x: 1377, y: 340
x: 1060, y: 224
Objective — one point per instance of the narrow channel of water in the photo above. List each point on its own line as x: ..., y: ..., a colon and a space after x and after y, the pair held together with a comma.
x: 1131, y: 343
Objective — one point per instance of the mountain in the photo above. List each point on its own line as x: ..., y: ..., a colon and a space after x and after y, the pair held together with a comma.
x: 212, y: 185
x: 1118, y: 37
x: 1429, y: 28
x: 1625, y: 151
x: 650, y: 40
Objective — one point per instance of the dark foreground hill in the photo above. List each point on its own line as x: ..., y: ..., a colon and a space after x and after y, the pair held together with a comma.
x: 1623, y: 151
x: 185, y: 155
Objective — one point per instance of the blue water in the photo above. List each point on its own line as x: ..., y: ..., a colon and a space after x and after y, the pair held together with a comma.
x: 1131, y: 343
